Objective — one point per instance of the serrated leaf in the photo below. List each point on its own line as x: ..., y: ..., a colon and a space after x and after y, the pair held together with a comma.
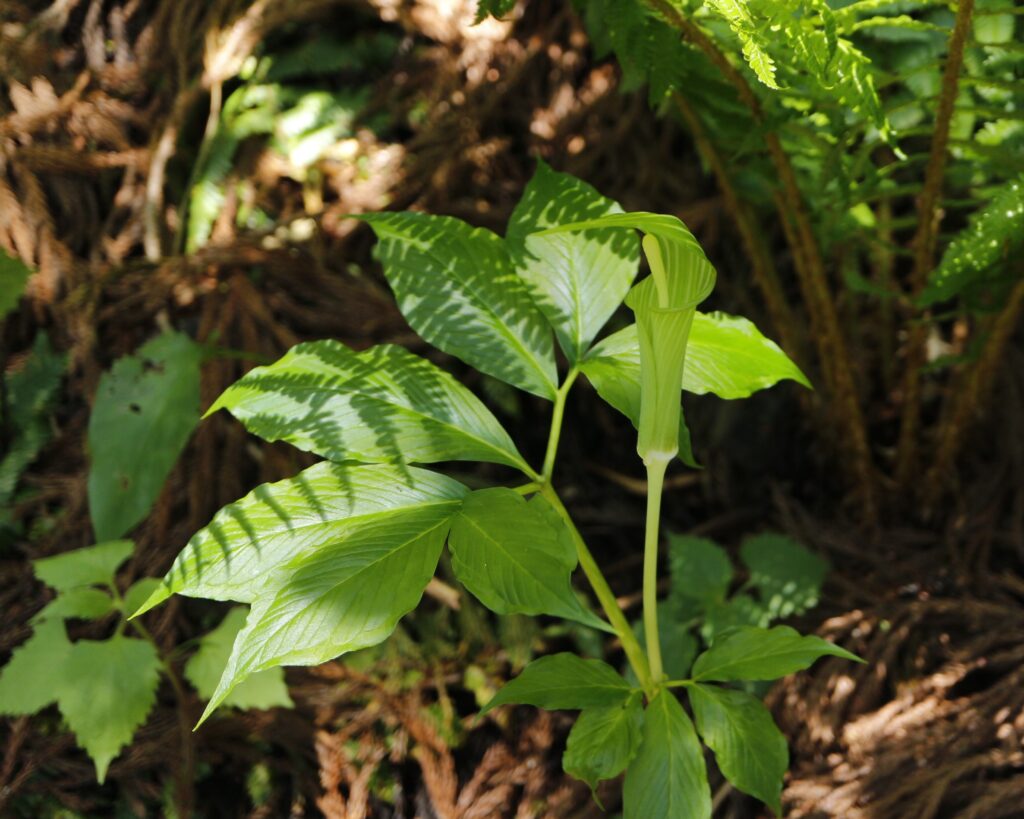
x: 577, y: 279
x: 84, y: 603
x: 346, y: 595
x: 13, y: 277
x: 91, y: 566
x: 383, y: 405
x: 264, y: 689
x: 667, y: 779
x: 456, y: 287
x: 564, y: 682
x: 788, y: 577
x: 514, y: 557
x: 604, y: 741
x: 763, y: 654
x: 145, y: 410
x: 106, y: 693
x: 750, y: 749
x: 700, y: 569
x: 28, y: 683
x: 247, y: 541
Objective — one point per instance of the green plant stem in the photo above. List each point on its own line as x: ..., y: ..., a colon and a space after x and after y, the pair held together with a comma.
x: 655, y: 480
x: 630, y: 645
x: 556, y: 425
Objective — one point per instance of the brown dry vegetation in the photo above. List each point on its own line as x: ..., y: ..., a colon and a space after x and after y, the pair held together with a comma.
x: 102, y: 113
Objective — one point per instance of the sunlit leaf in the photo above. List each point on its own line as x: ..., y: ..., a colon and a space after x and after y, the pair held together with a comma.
x: 279, y: 523
x: 28, y: 682
x: 346, y: 595
x: 91, y: 566
x: 514, y: 557
x: 577, y: 279
x: 106, y: 692
x: 264, y: 689
x: 457, y: 288
x: 383, y: 405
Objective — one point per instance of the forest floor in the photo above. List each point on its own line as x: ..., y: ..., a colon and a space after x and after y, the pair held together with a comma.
x: 107, y: 115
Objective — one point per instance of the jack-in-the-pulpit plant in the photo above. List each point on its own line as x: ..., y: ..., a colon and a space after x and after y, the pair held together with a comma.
x: 332, y: 559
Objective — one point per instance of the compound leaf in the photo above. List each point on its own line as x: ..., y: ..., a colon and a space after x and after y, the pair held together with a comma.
x: 83, y: 603
x: 91, y: 566
x: 749, y: 748
x: 514, y: 557
x: 700, y: 569
x: 787, y: 576
x: 28, y: 681
x: 456, y: 287
x: 106, y: 692
x: 247, y: 541
x: 146, y: 408
x: 750, y: 653
x: 564, y: 681
x: 604, y: 741
x: 667, y: 779
x: 264, y: 689
x: 383, y: 405
x: 347, y: 595
x: 577, y: 279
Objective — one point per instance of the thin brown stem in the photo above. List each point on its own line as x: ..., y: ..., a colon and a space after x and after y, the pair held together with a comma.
x: 971, y: 398
x: 761, y: 263
x: 847, y: 416
x: 925, y: 240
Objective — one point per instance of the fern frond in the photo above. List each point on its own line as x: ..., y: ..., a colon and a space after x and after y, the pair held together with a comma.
x: 980, y: 252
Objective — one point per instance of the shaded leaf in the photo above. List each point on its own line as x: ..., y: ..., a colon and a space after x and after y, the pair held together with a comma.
x: 667, y: 779
x: 456, y: 287
x: 564, y: 681
x: 515, y: 556
x: 264, y: 689
x: 13, y: 278
x: 106, y: 693
x: 749, y: 748
x: 788, y: 577
x: 577, y: 279
x: 763, y: 654
x: 91, y: 566
x: 138, y: 593
x: 700, y: 569
x: 279, y: 523
x: 145, y: 410
x: 493, y: 8
x: 604, y: 741
x: 383, y: 405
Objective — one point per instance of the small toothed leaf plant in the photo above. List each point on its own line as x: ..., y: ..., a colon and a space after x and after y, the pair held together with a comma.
x: 330, y: 560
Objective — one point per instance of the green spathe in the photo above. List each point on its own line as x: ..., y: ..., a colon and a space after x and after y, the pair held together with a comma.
x: 665, y: 304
